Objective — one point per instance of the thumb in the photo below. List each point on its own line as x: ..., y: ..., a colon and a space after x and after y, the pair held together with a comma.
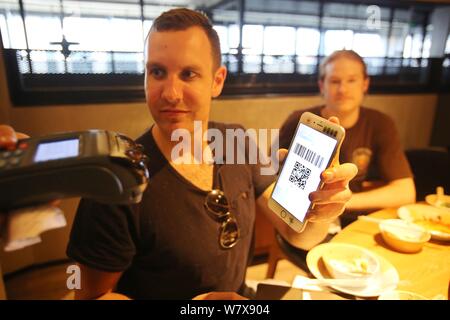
x: 334, y: 120
x: 281, y: 154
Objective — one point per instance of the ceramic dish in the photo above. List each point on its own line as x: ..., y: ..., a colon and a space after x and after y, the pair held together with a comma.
x: 403, y: 236
x: 386, y: 279
x: 435, y: 220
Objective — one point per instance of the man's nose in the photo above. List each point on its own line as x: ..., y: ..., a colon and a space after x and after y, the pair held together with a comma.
x: 173, y: 90
x: 342, y: 87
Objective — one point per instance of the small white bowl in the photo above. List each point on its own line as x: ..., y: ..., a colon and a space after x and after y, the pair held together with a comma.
x: 351, y: 262
x: 403, y: 236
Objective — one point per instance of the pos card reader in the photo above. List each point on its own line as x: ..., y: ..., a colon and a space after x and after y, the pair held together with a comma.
x: 101, y: 165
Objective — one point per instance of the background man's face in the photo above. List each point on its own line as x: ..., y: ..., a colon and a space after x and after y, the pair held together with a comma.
x: 344, y: 85
x: 179, y: 78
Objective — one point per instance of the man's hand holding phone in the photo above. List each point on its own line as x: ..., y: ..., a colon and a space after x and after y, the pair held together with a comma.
x: 330, y: 201
x: 312, y: 185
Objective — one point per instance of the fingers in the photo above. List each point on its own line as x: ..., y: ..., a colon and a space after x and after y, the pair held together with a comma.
x: 342, y: 172
x: 325, y: 212
x: 8, y: 137
x: 219, y: 296
x: 55, y: 203
x: 281, y: 154
x: 335, y: 185
x: 329, y: 202
x: 335, y: 195
x: 21, y: 135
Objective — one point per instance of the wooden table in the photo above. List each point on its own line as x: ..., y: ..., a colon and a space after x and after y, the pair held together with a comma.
x: 427, y: 272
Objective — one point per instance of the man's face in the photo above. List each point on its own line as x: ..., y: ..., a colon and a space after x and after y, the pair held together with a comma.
x: 180, y: 78
x: 344, y: 85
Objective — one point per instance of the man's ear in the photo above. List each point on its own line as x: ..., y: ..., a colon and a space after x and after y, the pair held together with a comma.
x: 320, y: 83
x: 218, y: 81
x: 366, y: 84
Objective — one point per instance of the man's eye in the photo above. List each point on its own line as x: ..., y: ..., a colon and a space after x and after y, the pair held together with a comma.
x: 157, y: 73
x: 188, y: 75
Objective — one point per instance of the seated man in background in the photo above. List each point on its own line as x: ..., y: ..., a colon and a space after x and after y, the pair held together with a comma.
x: 372, y: 142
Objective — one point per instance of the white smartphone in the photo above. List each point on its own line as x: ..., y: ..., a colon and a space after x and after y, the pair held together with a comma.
x: 314, y: 148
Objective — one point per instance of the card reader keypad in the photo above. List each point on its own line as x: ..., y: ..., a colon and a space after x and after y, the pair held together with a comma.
x: 12, y: 158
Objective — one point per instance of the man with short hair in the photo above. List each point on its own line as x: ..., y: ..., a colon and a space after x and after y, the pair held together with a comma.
x: 372, y: 142
x: 192, y: 233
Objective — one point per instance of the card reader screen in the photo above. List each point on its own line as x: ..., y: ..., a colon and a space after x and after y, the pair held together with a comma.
x: 56, y: 150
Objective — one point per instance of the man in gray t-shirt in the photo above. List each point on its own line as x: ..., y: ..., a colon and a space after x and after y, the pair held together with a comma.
x: 167, y: 246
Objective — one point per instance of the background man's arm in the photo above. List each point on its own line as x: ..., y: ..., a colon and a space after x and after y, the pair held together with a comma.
x: 394, y: 194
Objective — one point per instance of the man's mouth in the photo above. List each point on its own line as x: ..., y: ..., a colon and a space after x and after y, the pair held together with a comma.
x: 344, y: 98
x: 174, y: 111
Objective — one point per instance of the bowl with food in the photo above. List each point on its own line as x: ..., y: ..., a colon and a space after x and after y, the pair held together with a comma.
x: 439, y: 200
x: 403, y: 236
x: 351, y: 262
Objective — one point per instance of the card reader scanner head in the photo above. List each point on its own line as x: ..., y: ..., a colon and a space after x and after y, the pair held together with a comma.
x: 102, y: 165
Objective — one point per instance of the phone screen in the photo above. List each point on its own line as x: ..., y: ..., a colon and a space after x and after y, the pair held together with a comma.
x: 308, y: 156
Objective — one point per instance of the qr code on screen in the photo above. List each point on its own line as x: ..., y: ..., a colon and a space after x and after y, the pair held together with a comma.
x: 299, y: 175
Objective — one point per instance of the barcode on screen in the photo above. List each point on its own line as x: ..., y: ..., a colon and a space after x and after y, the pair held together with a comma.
x: 309, y: 155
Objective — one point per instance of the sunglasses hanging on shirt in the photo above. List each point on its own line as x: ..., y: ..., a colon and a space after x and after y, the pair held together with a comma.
x: 217, y: 205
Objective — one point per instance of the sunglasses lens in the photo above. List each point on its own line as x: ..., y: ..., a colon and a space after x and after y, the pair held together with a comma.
x: 217, y: 202
x: 229, y: 234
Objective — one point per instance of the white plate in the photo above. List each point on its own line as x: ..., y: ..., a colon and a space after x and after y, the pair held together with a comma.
x: 385, y: 280
x: 401, y: 295
x: 415, y: 212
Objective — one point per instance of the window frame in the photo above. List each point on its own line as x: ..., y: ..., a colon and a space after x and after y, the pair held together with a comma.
x: 47, y: 89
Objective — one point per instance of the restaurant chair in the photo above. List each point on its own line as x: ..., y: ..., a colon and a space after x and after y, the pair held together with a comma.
x: 431, y: 168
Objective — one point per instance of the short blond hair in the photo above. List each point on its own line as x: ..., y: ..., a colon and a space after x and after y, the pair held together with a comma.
x: 349, y: 54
